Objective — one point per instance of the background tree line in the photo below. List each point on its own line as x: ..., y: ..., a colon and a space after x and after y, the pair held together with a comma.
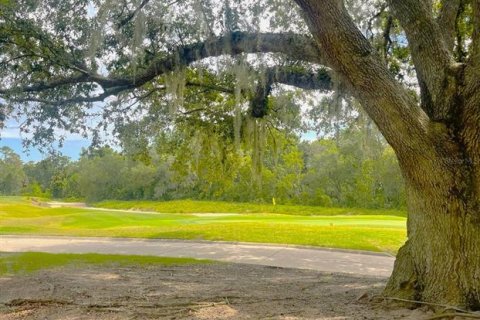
x: 354, y: 168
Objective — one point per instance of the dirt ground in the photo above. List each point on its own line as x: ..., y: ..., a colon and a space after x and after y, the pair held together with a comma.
x: 218, y: 291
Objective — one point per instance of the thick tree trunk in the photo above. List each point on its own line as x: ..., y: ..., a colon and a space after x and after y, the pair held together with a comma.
x: 440, y: 262
x: 437, y: 143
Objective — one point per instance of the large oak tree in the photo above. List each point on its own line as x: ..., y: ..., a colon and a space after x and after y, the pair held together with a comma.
x: 60, y: 57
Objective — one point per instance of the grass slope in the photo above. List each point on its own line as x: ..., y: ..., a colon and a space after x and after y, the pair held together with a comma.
x: 366, y: 232
x: 22, y: 263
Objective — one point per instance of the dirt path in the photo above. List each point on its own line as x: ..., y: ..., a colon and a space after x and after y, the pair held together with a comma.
x: 202, y: 292
x: 351, y: 262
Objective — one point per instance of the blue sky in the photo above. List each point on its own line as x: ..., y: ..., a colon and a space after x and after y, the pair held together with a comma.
x: 10, y: 137
x: 71, y: 148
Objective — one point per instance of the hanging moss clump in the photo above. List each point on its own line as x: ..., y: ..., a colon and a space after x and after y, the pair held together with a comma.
x: 259, y: 102
x: 242, y: 83
x: 138, y: 36
x: 175, y: 90
x: 97, y: 34
x: 256, y: 129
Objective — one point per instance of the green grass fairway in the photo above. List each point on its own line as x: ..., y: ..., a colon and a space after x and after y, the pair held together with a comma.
x: 190, y: 206
x: 23, y: 263
x: 374, y: 232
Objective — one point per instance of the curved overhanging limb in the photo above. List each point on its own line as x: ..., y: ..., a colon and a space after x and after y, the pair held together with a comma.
x: 307, y: 80
x: 292, y: 45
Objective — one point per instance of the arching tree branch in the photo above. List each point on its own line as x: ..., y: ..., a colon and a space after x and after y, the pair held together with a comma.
x: 44, y: 86
x: 447, y: 20
x: 319, y: 80
x: 307, y: 80
x: 431, y: 57
x: 76, y: 100
x: 293, y: 45
x: 474, y: 60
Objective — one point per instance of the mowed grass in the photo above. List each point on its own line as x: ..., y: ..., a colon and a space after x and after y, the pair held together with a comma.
x: 373, y: 232
x: 192, y: 206
x: 24, y: 263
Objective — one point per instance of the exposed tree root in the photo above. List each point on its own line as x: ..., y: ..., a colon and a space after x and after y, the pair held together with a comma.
x: 445, y: 306
x: 459, y: 311
x: 453, y: 315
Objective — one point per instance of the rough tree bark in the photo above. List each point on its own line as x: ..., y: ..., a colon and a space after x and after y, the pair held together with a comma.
x: 437, y: 144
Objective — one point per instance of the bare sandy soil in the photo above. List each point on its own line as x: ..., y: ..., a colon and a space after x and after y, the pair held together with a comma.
x: 218, y: 291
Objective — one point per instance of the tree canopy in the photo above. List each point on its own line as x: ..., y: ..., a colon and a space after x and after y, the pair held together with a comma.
x: 82, y: 65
